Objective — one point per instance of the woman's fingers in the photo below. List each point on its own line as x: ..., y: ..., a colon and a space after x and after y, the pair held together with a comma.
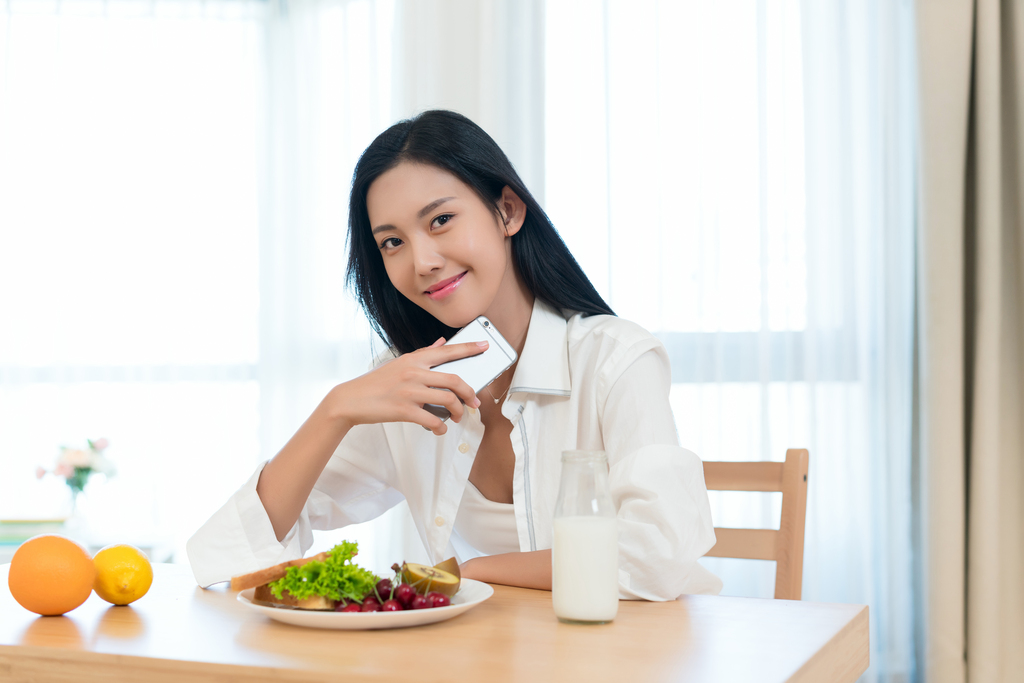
x: 456, y: 385
x: 436, y: 355
x: 432, y: 422
x: 452, y: 352
x: 427, y: 420
x: 398, y: 390
x: 443, y: 397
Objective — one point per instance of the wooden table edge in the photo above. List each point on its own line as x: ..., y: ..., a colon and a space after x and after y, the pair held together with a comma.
x: 25, y: 663
x: 825, y: 666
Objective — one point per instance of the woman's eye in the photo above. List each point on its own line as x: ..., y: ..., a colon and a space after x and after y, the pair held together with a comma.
x: 390, y: 243
x: 440, y: 220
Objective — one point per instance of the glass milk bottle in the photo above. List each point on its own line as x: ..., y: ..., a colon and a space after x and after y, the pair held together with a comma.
x: 585, y: 551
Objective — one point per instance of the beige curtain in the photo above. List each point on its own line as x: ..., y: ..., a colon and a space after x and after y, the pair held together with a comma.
x: 970, y: 371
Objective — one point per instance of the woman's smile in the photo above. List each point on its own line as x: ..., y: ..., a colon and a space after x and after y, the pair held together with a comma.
x: 444, y: 288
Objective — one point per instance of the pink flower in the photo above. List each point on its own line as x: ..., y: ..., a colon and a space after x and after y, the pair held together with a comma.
x: 100, y: 444
x: 64, y: 470
x: 74, y: 457
x: 40, y: 473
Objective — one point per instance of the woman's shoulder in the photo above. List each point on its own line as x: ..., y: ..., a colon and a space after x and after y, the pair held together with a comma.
x: 608, y: 344
x: 607, y: 330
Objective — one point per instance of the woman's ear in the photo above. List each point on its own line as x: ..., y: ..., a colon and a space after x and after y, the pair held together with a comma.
x: 512, y: 210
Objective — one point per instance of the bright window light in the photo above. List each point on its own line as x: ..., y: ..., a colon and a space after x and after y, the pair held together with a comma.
x: 129, y: 227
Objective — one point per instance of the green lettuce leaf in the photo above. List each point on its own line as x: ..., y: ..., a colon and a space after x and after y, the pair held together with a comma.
x: 336, y: 577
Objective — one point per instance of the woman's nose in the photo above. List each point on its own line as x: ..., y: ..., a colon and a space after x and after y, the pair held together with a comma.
x: 426, y: 259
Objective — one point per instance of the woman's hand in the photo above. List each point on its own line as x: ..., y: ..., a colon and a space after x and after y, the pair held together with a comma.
x: 394, y: 392
x: 397, y: 390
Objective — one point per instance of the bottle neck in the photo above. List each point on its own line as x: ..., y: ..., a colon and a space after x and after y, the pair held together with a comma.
x: 583, y: 489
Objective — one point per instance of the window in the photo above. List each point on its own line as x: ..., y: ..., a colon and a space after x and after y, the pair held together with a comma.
x: 676, y: 172
x: 173, y: 189
x: 130, y: 286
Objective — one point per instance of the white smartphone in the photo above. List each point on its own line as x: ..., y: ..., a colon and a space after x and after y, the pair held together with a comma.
x: 480, y: 370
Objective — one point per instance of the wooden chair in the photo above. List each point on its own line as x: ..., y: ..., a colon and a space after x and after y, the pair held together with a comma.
x: 786, y: 544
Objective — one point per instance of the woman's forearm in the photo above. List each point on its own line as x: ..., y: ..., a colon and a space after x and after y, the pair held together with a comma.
x: 526, y: 570
x: 287, y: 480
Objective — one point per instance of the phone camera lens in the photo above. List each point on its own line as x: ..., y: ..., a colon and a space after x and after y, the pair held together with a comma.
x: 487, y: 324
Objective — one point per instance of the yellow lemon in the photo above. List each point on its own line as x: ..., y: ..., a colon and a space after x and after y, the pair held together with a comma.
x: 123, y: 574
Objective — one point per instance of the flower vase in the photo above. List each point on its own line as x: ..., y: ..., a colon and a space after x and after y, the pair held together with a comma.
x: 76, y: 525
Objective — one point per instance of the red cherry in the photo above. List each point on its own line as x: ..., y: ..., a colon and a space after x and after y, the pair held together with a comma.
x: 438, y: 599
x: 391, y: 606
x: 384, y: 589
x: 340, y: 605
x: 420, y: 602
x: 352, y: 607
x: 404, y: 594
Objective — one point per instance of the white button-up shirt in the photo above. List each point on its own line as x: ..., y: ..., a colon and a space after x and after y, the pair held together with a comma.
x: 582, y: 383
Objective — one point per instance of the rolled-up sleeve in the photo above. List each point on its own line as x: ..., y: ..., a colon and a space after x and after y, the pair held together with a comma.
x: 354, y: 487
x: 657, y: 486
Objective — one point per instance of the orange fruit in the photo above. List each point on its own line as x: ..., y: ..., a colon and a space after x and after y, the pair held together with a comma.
x: 51, y: 575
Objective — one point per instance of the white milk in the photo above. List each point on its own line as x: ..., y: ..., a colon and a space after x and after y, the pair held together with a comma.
x: 585, y: 568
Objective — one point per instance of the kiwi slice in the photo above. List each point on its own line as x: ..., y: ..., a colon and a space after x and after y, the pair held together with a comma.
x: 451, y: 565
x: 426, y: 579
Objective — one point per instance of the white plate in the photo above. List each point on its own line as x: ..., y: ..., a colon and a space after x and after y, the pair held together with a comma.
x: 471, y: 593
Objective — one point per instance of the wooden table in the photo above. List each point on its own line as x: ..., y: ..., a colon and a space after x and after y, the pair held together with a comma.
x: 179, y: 632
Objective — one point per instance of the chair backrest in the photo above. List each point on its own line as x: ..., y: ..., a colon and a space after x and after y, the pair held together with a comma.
x: 786, y: 544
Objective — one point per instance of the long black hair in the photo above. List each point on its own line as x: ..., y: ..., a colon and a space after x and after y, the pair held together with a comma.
x: 452, y: 142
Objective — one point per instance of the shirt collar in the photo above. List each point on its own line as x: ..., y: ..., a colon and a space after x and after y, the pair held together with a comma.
x: 544, y: 363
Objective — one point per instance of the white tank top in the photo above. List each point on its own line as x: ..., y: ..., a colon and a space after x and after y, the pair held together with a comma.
x: 486, y: 527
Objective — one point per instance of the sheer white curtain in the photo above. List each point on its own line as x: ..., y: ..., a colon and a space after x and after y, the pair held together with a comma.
x: 329, y: 92
x: 737, y: 177
x: 174, y: 180
x: 129, y: 239
x: 484, y: 59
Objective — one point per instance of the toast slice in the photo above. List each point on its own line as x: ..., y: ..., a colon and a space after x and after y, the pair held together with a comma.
x: 265, y: 576
x: 263, y: 596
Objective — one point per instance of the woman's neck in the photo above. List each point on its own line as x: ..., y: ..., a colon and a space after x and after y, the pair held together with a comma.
x: 512, y: 307
x: 511, y: 310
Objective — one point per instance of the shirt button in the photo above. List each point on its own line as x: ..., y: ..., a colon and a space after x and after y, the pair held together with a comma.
x: 439, y: 520
x: 463, y: 447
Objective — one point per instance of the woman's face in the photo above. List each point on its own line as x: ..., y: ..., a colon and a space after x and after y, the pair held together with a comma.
x: 443, y: 248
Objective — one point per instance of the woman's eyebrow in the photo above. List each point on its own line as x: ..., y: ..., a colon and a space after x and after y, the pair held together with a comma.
x: 422, y: 212
x: 433, y: 205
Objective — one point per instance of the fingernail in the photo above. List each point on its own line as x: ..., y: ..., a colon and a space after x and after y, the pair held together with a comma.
x: 483, y: 344
x: 476, y: 402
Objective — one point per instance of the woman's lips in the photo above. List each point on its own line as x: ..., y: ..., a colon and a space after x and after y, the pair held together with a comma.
x: 445, y: 287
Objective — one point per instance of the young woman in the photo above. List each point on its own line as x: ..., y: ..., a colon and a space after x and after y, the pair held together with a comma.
x: 442, y: 230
